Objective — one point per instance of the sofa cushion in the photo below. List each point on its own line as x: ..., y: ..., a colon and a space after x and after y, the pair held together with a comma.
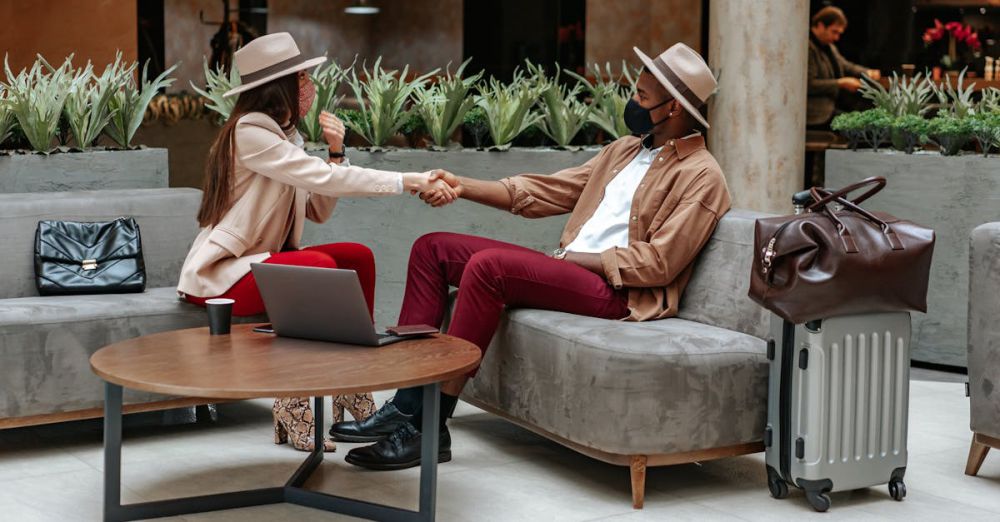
x: 166, y: 220
x: 665, y: 386
x: 717, y: 293
x: 46, y: 344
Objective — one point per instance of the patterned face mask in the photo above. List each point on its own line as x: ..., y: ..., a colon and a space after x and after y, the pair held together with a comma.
x: 307, y: 94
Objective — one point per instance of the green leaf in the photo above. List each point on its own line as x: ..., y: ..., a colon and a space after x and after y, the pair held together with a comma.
x: 508, y: 107
x: 563, y: 114
x: 217, y: 83
x: 382, y: 101
x: 444, y: 105
x: 609, y: 95
x: 36, y: 98
x: 130, y: 100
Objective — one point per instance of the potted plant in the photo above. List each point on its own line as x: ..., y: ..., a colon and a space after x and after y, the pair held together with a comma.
x: 442, y: 107
x: 957, y: 44
x: 508, y: 108
x: 383, y: 100
x: 563, y: 113
x: 609, y: 94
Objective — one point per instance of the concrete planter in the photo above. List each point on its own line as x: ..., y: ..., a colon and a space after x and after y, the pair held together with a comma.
x: 952, y: 195
x: 91, y: 170
x: 390, y: 225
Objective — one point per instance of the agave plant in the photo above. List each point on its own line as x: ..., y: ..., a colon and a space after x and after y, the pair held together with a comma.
x: 36, y: 98
x: 382, y: 101
x: 6, y: 117
x: 217, y: 83
x: 87, y: 108
x: 904, y: 96
x: 563, y: 113
x: 990, y: 101
x: 609, y: 95
x: 130, y: 100
x: 443, y: 106
x: 956, y: 100
x: 508, y: 108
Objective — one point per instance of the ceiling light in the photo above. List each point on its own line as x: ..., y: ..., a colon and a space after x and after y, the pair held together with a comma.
x: 361, y: 7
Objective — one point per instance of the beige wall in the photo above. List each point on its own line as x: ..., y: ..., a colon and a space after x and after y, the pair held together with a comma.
x: 186, y: 39
x: 653, y: 26
x: 93, y: 30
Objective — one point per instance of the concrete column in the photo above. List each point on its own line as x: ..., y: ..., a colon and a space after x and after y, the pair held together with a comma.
x: 758, y: 49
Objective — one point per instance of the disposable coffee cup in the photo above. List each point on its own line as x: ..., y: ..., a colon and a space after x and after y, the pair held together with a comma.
x: 220, y: 315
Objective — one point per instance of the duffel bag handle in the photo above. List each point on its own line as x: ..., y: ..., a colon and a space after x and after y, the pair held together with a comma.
x: 878, y: 183
x: 820, y: 194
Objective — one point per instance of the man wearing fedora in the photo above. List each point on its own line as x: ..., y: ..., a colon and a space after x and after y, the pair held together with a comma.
x: 640, y: 211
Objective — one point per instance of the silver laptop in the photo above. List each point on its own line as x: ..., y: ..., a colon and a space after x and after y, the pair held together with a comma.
x: 322, y: 304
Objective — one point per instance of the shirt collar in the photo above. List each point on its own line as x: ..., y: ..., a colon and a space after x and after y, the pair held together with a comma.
x: 688, y: 144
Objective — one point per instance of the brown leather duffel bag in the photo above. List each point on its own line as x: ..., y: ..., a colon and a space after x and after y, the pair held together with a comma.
x: 827, y: 262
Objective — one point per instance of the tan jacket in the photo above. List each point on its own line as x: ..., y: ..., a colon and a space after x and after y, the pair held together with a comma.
x: 277, y: 186
x: 674, y: 212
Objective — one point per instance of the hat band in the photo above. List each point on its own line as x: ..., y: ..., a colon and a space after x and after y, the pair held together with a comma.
x: 271, y: 70
x: 678, y: 84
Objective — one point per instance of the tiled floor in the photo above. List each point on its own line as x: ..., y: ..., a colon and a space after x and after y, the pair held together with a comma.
x: 500, y: 472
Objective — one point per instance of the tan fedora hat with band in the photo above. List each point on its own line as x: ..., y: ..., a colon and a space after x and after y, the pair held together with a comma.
x: 685, y: 75
x: 268, y: 58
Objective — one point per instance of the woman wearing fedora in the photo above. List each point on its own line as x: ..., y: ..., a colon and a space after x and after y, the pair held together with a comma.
x: 261, y: 186
x: 640, y: 211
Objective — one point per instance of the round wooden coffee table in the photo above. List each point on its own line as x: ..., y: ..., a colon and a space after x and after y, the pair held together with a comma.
x: 247, y: 365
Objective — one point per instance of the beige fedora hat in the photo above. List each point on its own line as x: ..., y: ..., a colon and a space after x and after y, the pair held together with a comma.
x: 685, y: 75
x: 267, y: 58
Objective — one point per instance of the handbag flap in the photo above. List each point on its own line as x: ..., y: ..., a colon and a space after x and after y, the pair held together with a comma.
x: 76, y: 241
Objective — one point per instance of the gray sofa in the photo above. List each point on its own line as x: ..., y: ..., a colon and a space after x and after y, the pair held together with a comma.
x: 984, y: 343
x: 46, y: 342
x: 678, y: 390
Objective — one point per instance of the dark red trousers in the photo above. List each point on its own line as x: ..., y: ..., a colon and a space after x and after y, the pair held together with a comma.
x: 492, y: 274
x: 350, y: 256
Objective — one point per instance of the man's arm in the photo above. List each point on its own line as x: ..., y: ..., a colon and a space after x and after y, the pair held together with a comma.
x: 489, y: 193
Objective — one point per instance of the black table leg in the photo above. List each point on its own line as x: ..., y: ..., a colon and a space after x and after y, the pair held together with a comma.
x: 292, y: 492
x: 429, y: 450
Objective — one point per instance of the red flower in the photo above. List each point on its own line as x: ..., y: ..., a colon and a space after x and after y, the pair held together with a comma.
x: 951, y: 26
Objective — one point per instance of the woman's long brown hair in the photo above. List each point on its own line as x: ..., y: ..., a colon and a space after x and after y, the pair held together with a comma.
x: 279, y: 99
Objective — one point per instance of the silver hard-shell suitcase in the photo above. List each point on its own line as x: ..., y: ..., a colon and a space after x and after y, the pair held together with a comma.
x: 837, y: 405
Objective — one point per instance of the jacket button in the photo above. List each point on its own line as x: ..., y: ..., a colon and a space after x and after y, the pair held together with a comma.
x: 635, y: 218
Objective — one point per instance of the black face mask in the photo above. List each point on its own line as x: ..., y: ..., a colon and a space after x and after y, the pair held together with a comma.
x: 637, y: 117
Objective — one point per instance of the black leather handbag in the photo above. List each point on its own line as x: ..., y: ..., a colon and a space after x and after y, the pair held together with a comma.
x: 89, y: 258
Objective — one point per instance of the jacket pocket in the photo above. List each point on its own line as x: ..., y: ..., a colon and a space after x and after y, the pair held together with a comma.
x: 229, y: 240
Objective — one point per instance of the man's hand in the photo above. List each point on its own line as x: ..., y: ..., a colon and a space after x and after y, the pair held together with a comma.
x: 442, y: 179
x: 333, y: 131
x: 849, y: 84
x: 874, y: 74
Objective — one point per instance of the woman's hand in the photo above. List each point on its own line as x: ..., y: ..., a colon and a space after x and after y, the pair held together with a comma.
x: 333, y: 131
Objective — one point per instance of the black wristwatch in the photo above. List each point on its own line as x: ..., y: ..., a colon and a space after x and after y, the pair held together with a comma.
x: 334, y: 155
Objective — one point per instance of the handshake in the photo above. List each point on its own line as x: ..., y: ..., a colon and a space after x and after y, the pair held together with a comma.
x: 440, y: 188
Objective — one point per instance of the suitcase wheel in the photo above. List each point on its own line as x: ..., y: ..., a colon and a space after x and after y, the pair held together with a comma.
x: 818, y: 500
x: 779, y: 488
x: 775, y: 484
x: 897, y: 490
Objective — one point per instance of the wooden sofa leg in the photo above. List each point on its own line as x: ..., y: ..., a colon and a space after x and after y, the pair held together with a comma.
x: 977, y: 453
x: 637, y: 468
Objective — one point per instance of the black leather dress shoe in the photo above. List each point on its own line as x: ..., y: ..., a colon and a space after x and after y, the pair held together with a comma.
x: 400, y: 450
x: 373, y: 429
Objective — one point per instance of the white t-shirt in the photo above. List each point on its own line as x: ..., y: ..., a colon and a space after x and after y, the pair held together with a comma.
x: 608, y: 227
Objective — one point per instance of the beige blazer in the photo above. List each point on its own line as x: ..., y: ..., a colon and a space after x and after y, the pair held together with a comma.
x: 277, y: 186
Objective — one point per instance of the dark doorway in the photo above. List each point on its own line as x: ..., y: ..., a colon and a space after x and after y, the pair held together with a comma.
x: 150, y: 30
x: 499, y: 36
